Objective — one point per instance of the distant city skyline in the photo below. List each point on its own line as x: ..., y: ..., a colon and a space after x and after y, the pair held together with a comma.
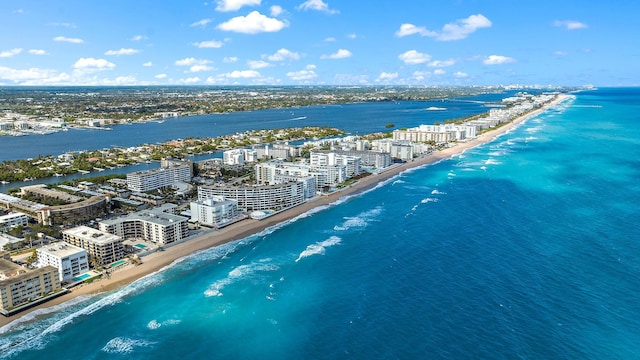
x: 318, y: 42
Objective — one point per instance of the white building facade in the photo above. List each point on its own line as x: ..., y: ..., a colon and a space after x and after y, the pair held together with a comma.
x: 103, y: 248
x: 214, y: 211
x: 70, y: 260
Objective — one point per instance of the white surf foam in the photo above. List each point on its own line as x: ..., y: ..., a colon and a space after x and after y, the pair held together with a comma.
x: 124, y: 345
x: 438, y: 192
x: 319, y: 248
x: 238, y: 273
x: 491, y: 161
x: 428, y: 200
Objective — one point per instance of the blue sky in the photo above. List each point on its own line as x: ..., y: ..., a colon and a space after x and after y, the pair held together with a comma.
x: 319, y: 42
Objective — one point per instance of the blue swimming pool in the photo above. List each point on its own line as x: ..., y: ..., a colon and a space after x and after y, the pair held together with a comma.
x: 141, y: 246
x: 81, y: 277
x: 119, y: 262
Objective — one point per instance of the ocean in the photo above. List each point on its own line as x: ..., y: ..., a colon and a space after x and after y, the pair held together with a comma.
x: 525, y: 247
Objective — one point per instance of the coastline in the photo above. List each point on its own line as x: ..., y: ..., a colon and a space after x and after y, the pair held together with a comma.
x: 158, y: 260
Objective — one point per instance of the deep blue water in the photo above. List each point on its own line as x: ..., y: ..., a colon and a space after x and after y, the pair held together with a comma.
x: 525, y: 247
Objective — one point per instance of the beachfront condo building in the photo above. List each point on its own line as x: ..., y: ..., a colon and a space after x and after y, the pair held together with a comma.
x: 103, y: 248
x: 352, y: 164
x: 436, y: 133
x: 262, y: 197
x: 169, y: 173
x: 160, y: 225
x: 215, y: 211
x: 70, y: 260
x: 20, y: 286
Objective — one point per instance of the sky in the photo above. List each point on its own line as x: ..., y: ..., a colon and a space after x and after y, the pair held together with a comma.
x: 319, y: 42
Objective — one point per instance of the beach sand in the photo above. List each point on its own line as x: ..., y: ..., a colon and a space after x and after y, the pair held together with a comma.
x: 156, y: 261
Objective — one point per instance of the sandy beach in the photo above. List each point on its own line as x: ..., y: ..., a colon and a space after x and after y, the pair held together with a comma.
x: 158, y: 260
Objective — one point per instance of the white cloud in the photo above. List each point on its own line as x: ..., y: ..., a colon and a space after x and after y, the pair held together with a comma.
x: 38, y: 52
x: 351, y: 36
x: 385, y: 76
x: 192, y: 61
x: 460, y: 74
x: 243, y: 74
x: 560, y: 53
x: 233, y: 5
x: 10, y: 53
x: 202, y: 22
x: 340, y: 54
x: 276, y: 10
x: 330, y: 39
x: 413, y: 57
x: 230, y: 59
x: 91, y: 64
x: 570, y: 24
x: 191, y: 80
x: 200, y: 67
x: 63, y: 24
x: 161, y: 76
x: 253, y: 23
x: 211, y: 44
x: 31, y: 74
x: 302, y: 75
x: 138, y: 38
x: 69, y: 40
x: 421, y: 75
x: 410, y: 29
x: 497, y: 60
x: 147, y: 64
x: 318, y: 5
x: 439, y: 72
x: 441, y: 63
x: 282, y: 55
x: 258, y: 64
x: 457, y: 30
x: 122, y: 51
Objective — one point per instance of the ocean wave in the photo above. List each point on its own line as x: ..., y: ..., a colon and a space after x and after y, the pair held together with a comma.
x: 155, y: 324
x: 238, y: 273
x: 438, y: 192
x: 124, y: 345
x: 398, y: 182
x: 359, y: 221
x: 428, y: 200
x: 319, y: 248
x: 491, y: 161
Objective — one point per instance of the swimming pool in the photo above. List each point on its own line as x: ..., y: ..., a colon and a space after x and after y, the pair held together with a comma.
x: 141, y: 246
x: 81, y: 277
x: 119, y: 262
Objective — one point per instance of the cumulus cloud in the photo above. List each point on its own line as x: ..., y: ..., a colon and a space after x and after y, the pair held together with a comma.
x: 161, y: 76
x: 421, y: 75
x: 202, y: 22
x: 457, y: 30
x: 282, y: 55
x: 192, y: 61
x: 230, y: 59
x: 31, y: 74
x: 413, y: 57
x: 10, y: 53
x: 460, y: 74
x: 570, y: 24
x: 138, y: 38
x: 442, y: 63
x: 276, y: 10
x: 147, y: 64
x: 258, y: 64
x: 69, y: 40
x: 439, y: 72
x: 340, y: 54
x: 303, y: 75
x: 410, y: 29
x: 233, y: 5
x: 191, y: 80
x: 317, y: 5
x: 330, y: 39
x: 243, y: 74
x: 385, y: 76
x: 38, y: 52
x: 122, y: 51
x: 253, y: 23
x: 497, y: 60
x: 211, y: 44
x: 89, y: 65
x: 560, y: 53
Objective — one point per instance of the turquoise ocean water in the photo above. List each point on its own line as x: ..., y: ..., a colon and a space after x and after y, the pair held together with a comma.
x: 525, y: 247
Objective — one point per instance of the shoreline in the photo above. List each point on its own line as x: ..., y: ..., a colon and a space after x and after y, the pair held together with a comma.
x: 159, y: 260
